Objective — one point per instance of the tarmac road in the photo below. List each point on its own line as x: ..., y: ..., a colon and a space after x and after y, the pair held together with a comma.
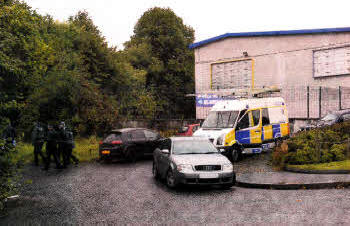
x: 116, y: 193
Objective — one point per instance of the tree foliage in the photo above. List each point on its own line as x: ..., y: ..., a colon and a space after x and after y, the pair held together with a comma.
x: 52, y: 71
x: 160, y: 46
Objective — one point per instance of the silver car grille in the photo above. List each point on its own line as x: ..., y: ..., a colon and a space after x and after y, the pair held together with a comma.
x: 208, y: 167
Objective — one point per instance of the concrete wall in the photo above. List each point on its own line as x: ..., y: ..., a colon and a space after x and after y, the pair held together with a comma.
x: 279, y: 60
x: 161, y: 125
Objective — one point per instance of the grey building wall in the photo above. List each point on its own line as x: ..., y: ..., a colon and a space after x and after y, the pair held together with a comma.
x: 285, y: 61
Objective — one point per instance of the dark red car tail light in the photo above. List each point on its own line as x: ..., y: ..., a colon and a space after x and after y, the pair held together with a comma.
x: 117, y: 142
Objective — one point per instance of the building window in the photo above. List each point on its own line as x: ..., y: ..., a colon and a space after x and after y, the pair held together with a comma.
x: 235, y: 74
x: 331, y: 62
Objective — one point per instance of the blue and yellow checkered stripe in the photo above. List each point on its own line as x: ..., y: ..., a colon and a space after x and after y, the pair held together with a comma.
x: 275, y: 131
x: 269, y: 132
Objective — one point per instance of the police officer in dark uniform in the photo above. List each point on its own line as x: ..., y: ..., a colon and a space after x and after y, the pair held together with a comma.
x: 60, y: 141
x: 70, y: 147
x: 51, y: 147
x: 9, y: 135
x: 38, y: 139
x: 66, y: 145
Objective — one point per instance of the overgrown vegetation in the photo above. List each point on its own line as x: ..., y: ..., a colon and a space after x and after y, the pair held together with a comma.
x: 159, y: 46
x: 8, y: 169
x: 323, y: 145
x: 53, y: 71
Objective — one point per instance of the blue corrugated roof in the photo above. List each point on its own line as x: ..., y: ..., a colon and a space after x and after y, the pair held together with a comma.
x: 269, y: 33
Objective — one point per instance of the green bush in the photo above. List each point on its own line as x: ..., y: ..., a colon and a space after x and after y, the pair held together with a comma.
x: 8, y: 169
x: 338, y: 151
x: 301, y: 156
x: 322, y: 145
x: 326, y: 156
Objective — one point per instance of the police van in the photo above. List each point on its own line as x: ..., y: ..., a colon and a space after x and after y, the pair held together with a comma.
x: 243, y: 126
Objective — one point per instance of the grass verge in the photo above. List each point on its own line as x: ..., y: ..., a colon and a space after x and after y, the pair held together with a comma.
x: 86, y: 149
x: 340, y: 165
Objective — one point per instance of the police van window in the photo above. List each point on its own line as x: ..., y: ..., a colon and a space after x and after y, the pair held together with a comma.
x: 277, y: 115
x: 220, y: 119
x: 242, y: 113
x: 244, y: 122
x: 256, y: 117
x: 265, y: 117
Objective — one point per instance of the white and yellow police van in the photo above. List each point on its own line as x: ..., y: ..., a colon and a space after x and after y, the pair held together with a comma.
x: 246, y: 125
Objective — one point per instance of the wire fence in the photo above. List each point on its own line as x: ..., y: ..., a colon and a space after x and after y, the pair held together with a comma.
x: 303, y: 102
x: 313, y: 102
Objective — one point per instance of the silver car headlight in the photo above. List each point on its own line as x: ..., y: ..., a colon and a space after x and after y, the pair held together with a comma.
x: 184, y: 168
x: 227, y: 167
x: 221, y: 140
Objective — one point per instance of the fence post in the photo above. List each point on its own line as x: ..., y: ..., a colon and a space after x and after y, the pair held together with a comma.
x: 319, y: 101
x: 348, y: 148
x: 308, y: 102
x: 339, y: 97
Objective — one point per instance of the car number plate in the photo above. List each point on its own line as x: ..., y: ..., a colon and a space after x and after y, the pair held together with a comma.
x: 208, y: 175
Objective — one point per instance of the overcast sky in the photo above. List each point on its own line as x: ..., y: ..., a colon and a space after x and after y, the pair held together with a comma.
x: 116, y: 19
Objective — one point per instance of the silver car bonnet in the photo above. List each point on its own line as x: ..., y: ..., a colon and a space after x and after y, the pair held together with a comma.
x: 200, y: 159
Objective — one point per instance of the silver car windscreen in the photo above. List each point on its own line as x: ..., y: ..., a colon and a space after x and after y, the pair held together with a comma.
x: 183, y: 147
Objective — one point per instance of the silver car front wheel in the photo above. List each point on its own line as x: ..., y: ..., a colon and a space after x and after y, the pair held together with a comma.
x: 170, y: 179
x: 235, y: 155
x: 155, y: 171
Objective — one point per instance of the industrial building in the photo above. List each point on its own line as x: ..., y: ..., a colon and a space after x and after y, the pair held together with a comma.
x: 312, y: 68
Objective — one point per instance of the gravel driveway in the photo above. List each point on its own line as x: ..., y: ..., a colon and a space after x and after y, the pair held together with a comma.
x: 126, y: 193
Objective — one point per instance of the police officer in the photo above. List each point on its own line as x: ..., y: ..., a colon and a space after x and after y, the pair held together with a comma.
x: 66, y: 145
x: 51, y: 147
x: 70, y: 146
x: 9, y: 135
x: 38, y: 139
x: 61, y: 141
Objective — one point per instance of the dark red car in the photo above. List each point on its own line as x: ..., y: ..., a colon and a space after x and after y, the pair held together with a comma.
x: 188, y: 130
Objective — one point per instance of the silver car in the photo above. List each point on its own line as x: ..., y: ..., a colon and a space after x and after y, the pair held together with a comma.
x: 191, y: 160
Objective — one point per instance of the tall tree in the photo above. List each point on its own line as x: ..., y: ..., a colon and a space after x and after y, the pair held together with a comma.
x: 160, y: 46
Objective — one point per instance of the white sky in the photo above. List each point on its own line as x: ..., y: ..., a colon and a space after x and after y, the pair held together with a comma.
x: 116, y: 19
